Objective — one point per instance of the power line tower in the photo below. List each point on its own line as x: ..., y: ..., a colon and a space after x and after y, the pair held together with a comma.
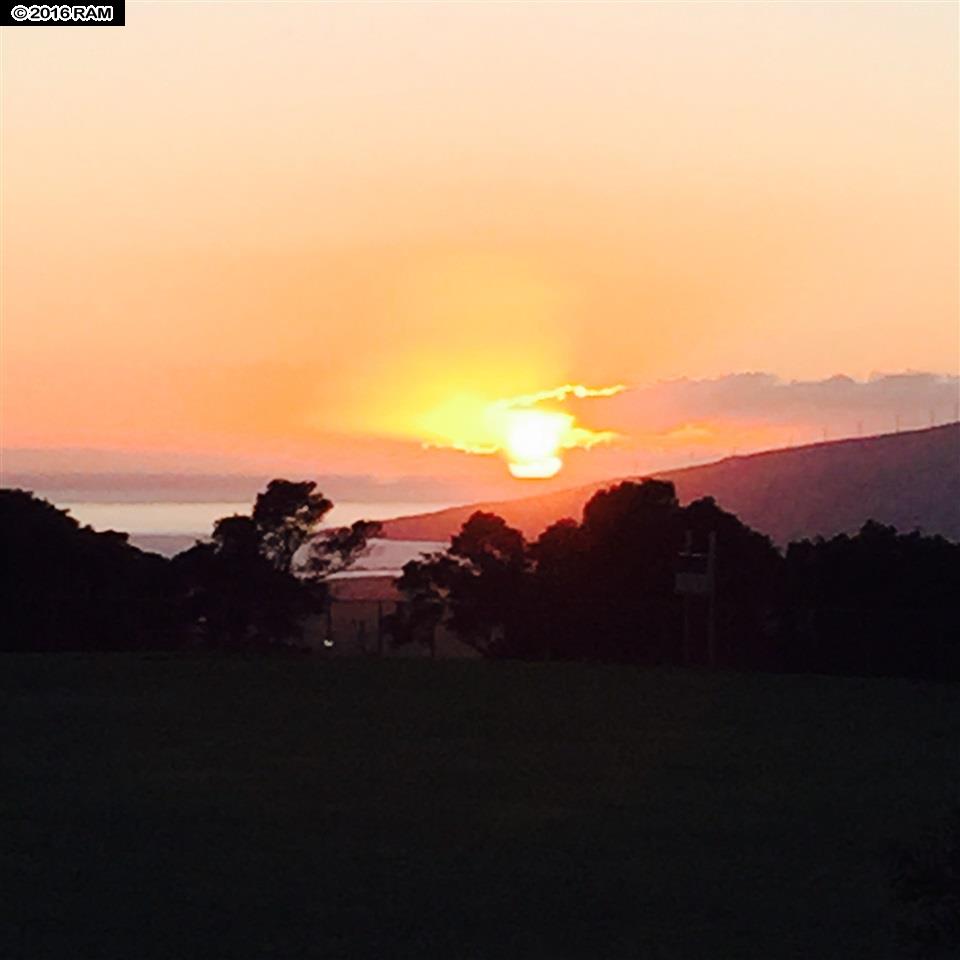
x: 696, y: 577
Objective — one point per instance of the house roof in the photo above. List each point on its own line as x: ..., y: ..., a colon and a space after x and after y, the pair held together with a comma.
x: 382, y: 587
x: 386, y: 556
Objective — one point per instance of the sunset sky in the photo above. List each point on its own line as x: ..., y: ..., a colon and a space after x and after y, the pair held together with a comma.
x: 332, y: 235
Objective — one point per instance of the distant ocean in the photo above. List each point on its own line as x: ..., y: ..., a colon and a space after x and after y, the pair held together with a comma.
x: 168, y: 528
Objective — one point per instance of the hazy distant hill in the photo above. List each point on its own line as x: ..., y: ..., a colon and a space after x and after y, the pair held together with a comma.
x: 910, y: 480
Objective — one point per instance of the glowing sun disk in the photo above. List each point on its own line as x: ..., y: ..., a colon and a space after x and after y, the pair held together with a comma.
x: 532, y: 442
x: 530, y: 439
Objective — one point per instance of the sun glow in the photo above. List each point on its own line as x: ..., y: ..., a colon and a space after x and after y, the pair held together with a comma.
x: 531, y: 439
x: 532, y: 442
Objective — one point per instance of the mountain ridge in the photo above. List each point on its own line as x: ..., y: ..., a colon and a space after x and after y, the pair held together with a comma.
x: 910, y: 480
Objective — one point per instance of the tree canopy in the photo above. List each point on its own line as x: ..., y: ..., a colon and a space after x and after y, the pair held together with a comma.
x: 606, y: 588
x: 601, y: 588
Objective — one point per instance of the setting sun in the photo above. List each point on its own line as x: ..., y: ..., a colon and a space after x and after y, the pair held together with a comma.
x: 532, y: 442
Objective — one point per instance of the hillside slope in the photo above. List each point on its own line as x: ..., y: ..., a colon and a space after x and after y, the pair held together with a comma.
x: 910, y: 480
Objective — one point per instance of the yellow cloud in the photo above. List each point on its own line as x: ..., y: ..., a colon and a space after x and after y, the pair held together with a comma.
x: 529, y: 437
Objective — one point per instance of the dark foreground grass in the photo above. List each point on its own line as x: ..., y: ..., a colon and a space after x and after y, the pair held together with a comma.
x: 227, y: 808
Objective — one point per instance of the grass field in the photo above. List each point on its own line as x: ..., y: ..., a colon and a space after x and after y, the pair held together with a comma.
x: 209, y: 808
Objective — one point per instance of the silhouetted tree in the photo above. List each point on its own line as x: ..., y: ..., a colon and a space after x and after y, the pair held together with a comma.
x: 602, y: 589
x: 632, y: 534
x: 238, y: 538
x: 480, y: 582
x: 878, y: 602
x: 489, y: 586
x: 560, y: 614
x: 68, y: 587
x: 262, y: 574
x: 233, y: 595
x: 286, y: 515
x: 748, y: 584
x: 611, y: 581
x: 426, y: 586
x: 336, y: 549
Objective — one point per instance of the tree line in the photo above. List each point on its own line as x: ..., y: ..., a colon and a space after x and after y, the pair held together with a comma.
x: 251, y: 586
x: 875, y: 603
x: 605, y: 588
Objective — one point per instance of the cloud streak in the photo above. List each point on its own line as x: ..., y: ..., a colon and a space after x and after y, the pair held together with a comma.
x: 840, y: 404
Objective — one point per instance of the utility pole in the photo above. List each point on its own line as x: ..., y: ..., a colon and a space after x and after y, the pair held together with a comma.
x: 687, y: 552
x: 696, y: 576
x: 712, y: 598
x: 379, y: 628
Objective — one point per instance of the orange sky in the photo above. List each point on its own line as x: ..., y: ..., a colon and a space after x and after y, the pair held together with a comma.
x: 303, y: 228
